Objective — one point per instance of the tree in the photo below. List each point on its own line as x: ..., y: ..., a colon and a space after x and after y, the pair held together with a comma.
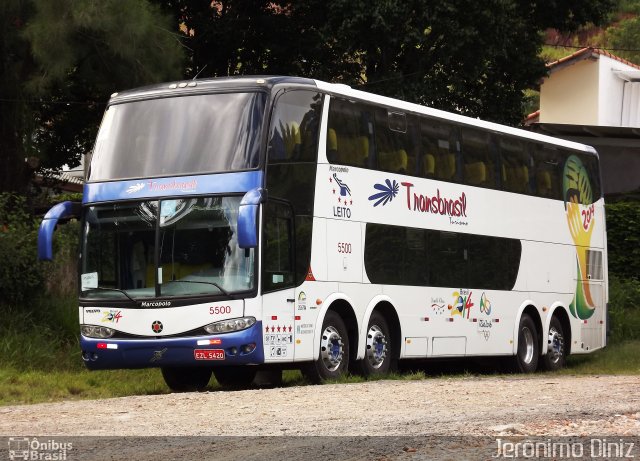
x: 59, y: 62
x: 625, y: 38
x: 475, y: 58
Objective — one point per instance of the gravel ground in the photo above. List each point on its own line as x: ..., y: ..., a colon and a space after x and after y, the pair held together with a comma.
x: 406, y: 412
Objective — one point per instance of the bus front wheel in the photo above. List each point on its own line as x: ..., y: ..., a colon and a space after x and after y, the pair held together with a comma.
x: 526, y: 358
x: 184, y: 379
x: 333, y: 361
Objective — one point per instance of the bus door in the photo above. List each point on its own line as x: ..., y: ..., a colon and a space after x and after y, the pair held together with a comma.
x: 278, y: 280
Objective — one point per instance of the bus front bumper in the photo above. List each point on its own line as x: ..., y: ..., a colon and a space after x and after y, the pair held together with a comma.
x: 236, y: 348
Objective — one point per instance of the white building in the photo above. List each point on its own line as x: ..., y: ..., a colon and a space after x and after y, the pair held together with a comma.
x: 592, y: 96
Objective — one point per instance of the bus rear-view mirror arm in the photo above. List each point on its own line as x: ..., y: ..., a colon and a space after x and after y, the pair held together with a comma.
x: 48, y: 226
x: 248, y: 217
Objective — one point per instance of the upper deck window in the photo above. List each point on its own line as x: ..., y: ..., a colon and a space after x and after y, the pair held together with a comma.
x: 179, y: 136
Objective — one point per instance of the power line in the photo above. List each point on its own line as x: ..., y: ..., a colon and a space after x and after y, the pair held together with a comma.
x: 580, y: 47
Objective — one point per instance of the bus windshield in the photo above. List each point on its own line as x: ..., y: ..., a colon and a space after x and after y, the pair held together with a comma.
x: 164, y: 248
x: 179, y: 136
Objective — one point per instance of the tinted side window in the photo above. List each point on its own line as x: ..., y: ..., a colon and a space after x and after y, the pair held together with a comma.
x: 580, y: 178
x: 440, y: 147
x: 548, y: 163
x: 293, y: 152
x: 294, y: 127
x: 277, y: 254
x: 479, y: 158
x: 349, y: 133
x: 292, y: 164
x: 396, y: 255
x: 395, y: 142
x: 515, y: 165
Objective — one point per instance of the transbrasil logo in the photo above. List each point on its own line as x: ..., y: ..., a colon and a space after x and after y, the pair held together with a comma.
x: 578, y: 203
x: 434, y: 204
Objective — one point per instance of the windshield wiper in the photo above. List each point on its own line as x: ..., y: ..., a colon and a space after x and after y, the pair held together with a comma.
x: 110, y: 289
x: 222, y: 290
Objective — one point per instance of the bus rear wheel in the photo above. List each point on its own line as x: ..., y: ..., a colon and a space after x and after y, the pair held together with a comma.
x: 333, y: 361
x: 184, y: 379
x: 556, y: 354
x: 526, y: 358
x: 235, y: 378
x: 378, y: 353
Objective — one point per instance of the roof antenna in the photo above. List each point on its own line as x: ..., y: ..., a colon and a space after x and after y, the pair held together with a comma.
x: 200, y: 71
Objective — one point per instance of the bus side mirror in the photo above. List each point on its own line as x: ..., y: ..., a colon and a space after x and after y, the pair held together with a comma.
x: 48, y: 226
x: 248, y: 217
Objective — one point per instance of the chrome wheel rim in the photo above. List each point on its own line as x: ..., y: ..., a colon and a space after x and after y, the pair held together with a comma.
x: 555, y: 346
x: 527, y: 345
x: 331, y: 348
x: 376, y: 351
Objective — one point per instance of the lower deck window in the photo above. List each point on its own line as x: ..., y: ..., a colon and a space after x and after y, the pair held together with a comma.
x: 397, y: 255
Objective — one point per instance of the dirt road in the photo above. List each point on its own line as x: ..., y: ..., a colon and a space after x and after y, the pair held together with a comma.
x: 595, y: 406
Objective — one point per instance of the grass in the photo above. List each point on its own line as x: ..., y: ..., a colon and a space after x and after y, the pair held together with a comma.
x: 37, y: 385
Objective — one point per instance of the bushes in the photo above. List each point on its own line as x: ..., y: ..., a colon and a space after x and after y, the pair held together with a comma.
x: 624, y: 311
x: 21, y: 275
x: 623, y: 239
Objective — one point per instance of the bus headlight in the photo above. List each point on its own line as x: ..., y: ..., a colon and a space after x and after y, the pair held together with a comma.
x: 94, y: 331
x: 226, y: 326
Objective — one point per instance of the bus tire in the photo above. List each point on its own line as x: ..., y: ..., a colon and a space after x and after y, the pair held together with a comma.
x: 556, y: 355
x: 235, y: 378
x: 526, y: 358
x: 333, y: 360
x: 186, y: 379
x: 378, y: 354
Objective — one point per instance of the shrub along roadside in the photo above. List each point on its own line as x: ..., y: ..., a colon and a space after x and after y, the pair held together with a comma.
x: 623, y: 239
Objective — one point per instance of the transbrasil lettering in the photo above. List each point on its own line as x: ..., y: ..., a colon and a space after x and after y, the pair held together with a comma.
x: 436, y: 204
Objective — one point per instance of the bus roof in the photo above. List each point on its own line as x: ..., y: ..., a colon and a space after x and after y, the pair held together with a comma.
x: 186, y: 87
x: 348, y: 92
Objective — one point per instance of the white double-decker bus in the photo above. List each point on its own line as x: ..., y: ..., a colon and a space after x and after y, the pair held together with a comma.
x: 243, y: 224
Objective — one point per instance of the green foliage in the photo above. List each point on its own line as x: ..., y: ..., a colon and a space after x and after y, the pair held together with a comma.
x: 625, y: 36
x: 59, y: 62
x: 476, y: 58
x: 624, y: 311
x: 623, y: 239
x: 21, y: 275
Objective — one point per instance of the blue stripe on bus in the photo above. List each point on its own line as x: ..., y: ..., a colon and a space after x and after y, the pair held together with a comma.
x: 236, y: 182
x: 162, y: 352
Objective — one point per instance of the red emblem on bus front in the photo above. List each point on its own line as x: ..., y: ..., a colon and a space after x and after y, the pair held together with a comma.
x: 156, y: 326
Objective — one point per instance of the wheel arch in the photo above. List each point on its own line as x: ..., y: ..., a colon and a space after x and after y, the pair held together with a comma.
x: 344, y: 308
x: 561, y: 312
x: 385, y: 307
x: 529, y: 308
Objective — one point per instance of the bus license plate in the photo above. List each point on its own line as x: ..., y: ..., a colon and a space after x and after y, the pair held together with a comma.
x: 208, y: 354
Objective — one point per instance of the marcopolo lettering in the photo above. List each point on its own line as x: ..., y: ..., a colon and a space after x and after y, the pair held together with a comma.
x: 155, y: 304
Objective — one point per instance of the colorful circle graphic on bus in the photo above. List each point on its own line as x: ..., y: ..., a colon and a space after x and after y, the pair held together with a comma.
x: 578, y: 202
x: 156, y: 326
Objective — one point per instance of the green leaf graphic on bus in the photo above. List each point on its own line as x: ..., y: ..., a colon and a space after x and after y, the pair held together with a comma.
x: 576, y: 183
x: 577, y: 191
